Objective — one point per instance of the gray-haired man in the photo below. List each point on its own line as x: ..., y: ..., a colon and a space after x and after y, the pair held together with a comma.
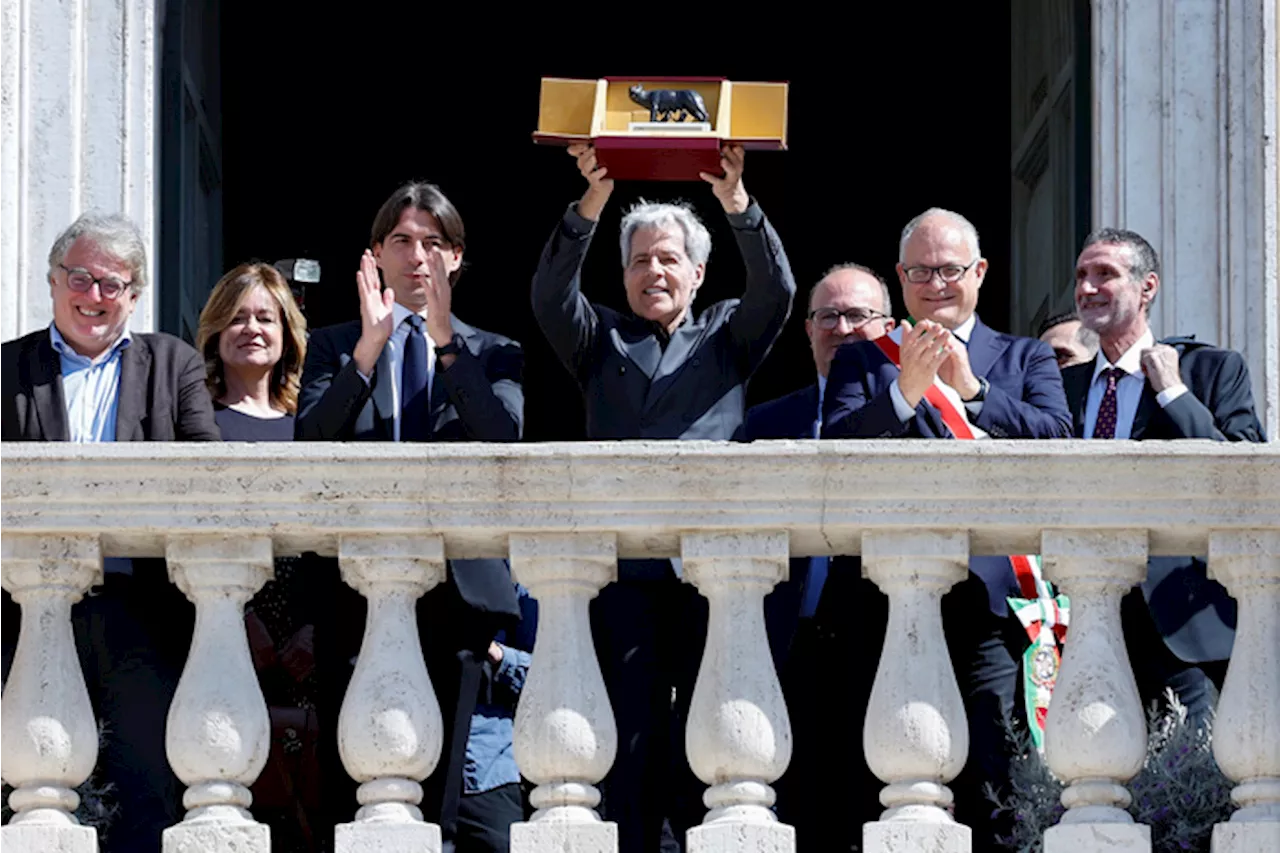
x: 658, y: 371
x: 87, y: 379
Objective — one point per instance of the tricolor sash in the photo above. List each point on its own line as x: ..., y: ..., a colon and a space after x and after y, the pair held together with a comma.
x: 1042, y: 614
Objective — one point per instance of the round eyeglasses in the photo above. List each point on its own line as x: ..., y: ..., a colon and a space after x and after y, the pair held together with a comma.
x: 81, y: 281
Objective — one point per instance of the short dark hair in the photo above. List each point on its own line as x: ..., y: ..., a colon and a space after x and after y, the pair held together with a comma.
x: 1057, y: 320
x: 884, y: 287
x: 1145, y: 259
x: 428, y: 198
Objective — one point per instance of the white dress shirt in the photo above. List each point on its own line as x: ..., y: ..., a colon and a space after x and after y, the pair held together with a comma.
x: 1128, y: 388
x: 905, y: 412
x: 394, y: 357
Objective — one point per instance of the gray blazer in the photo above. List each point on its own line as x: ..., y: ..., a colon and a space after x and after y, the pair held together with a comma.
x: 163, y: 396
x: 638, y: 383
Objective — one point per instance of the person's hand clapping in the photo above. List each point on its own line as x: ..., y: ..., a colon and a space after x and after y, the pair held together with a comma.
x: 924, y: 349
x: 729, y: 189
x: 599, y: 187
x: 376, y: 318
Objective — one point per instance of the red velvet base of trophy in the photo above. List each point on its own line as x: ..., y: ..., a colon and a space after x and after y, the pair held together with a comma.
x: 644, y: 159
x: 636, y: 143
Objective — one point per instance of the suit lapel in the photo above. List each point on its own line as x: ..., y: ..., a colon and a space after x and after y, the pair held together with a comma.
x: 1075, y: 382
x: 985, y: 347
x: 383, y: 391
x: 1147, y: 408
x: 135, y: 367
x: 44, y: 367
x: 645, y: 353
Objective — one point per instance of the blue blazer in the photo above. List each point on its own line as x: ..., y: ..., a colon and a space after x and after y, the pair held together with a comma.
x: 1025, y: 400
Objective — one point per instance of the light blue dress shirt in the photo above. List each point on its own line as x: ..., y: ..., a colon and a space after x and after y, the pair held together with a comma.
x: 90, y: 388
x: 393, y: 358
x: 1128, y: 388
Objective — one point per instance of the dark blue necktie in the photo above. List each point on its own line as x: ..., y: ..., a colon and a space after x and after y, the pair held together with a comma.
x: 415, y: 398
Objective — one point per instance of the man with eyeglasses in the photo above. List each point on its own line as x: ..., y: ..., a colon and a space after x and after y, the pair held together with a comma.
x: 87, y: 378
x: 945, y: 374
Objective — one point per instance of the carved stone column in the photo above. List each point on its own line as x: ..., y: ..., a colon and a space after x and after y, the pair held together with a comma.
x: 1096, y: 734
x: 218, y: 734
x: 565, y: 737
x: 49, y: 742
x: 1246, y: 732
x: 738, y: 737
x: 390, y: 730
x: 916, y: 735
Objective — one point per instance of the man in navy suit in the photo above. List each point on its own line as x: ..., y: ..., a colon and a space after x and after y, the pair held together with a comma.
x: 1009, y: 387
x: 408, y: 370
x: 850, y: 303
x: 1135, y: 388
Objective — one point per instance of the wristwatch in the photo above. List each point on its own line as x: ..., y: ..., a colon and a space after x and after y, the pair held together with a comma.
x: 455, y: 346
x: 983, y: 387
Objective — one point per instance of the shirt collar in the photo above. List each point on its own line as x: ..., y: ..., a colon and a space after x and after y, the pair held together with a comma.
x: 61, y: 347
x: 400, y: 313
x: 965, y: 330
x: 1130, y: 362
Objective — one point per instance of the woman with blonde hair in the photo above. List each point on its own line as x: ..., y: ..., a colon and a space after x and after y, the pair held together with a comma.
x: 253, y: 339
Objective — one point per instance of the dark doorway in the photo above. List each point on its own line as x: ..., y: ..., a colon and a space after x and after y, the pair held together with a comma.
x: 894, y: 108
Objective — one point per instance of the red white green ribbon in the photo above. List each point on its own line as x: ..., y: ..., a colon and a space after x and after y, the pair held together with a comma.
x: 1043, y: 614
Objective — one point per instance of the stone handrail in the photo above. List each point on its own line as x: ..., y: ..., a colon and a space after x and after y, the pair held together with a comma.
x: 563, y: 513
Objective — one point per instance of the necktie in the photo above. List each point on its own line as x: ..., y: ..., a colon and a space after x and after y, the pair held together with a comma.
x: 415, y: 399
x: 1105, y: 426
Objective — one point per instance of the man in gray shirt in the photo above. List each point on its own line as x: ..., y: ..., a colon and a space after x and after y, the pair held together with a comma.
x: 658, y: 371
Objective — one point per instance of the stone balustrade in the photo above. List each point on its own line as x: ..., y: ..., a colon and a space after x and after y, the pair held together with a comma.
x: 563, y: 514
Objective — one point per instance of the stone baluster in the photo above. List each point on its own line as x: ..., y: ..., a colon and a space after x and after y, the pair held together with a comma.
x: 1095, y: 734
x: 390, y: 730
x: 738, y: 736
x: 565, y: 737
x: 1246, y: 732
x: 49, y: 741
x: 915, y: 735
x: 218, y: 734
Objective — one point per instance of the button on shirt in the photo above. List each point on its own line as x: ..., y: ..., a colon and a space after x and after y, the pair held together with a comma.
x: 90, y: 388
x: 974, y: 407
x: 394, y: 357
x: 1128, y: 388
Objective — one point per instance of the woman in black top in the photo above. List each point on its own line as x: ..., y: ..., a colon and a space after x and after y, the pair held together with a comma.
x: 254, y: 339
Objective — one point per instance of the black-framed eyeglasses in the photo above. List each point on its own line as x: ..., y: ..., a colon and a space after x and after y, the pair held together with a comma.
x: 949, y: 273
x: 80, y: 280
x: 828, y: 318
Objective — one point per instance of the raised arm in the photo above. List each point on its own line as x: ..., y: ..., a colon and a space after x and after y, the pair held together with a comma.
x: 565, y: 315
x: 770, y: 288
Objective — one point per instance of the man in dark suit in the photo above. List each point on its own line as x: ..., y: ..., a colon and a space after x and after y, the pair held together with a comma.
x: 88, y: 378
x: 408, y: 370
x: 658, y: 371
x: 1142, y: 390
x: 950, y: 374
x: 850, y: 303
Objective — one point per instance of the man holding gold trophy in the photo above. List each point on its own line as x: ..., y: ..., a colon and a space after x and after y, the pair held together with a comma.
x: 659, y: 372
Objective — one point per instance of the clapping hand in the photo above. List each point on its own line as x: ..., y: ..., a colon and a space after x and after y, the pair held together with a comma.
x: 376, y: 317
x: 924, y: 349
x: 729, y: 189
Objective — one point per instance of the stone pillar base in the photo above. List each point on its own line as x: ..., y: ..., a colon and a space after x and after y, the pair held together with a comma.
x: 41, y: 839
x: 1245, y: 837
x: 741, y: 837
x: 900, y: 836
x: 408, y: 837
x: 1098, y: 838
x: 217, y: 837
x: 556, y: 836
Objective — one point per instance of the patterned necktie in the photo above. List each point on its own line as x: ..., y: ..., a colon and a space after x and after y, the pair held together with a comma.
x: 1105, y: 426
x: 415, y: 406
